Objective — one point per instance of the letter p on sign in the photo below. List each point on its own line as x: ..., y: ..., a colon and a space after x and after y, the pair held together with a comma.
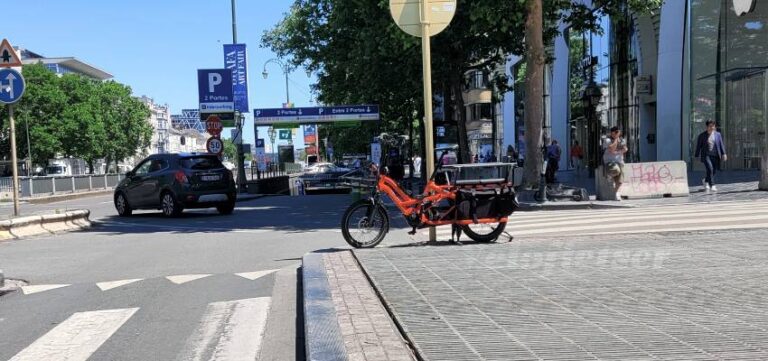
x: 214, y: 79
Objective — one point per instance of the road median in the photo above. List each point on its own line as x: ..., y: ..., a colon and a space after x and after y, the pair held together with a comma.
x: 28, y: 226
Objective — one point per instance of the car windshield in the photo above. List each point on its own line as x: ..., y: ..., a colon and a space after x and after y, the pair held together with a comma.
x: 201, y: 163
x: 54, y: 169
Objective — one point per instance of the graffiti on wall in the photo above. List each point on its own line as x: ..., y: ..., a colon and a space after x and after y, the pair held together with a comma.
x: 657, y: 178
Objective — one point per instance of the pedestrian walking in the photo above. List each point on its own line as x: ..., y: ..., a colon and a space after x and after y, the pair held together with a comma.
x: 614, y: 148
x: 553, y: 161
x: 710, y: 149
x: 577, y: 154
x: 417, y: 165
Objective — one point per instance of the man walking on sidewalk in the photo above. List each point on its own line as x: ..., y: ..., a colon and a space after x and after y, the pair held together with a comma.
x: 711, y: 150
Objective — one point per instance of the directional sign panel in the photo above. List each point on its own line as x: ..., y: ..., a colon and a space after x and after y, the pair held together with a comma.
x: 316, y: 114
x: 12, y: 86
x: 214, y: 88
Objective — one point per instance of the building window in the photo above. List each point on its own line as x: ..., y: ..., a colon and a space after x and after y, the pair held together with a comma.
x: 728, y: 83
x: 476, y: 79
x: 481, y: 111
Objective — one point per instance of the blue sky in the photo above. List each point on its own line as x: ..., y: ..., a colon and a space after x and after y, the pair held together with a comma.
x: 157, y: 46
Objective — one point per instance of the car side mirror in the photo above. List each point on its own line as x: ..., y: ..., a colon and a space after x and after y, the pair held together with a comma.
x: 130, y: 174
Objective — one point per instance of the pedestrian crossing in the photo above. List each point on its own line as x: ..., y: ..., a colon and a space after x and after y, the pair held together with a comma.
x: 228, y: 330
x: 684, y: 217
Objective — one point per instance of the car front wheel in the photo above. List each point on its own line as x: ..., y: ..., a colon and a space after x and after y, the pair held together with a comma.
x: 169, y: 205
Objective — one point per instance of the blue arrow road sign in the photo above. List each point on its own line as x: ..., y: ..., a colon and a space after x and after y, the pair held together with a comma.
x: 214, y: 88
x: 12, y: 86
x: 316, y: 114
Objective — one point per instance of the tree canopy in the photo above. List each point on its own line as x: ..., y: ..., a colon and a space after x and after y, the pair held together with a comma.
x: 71, y: 115
x: 361, y: 56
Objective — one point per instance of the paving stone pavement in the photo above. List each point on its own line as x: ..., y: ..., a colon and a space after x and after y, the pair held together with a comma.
x: 693, y: 296
x: 366, y: 327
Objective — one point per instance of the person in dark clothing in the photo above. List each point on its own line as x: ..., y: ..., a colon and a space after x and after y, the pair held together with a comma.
x: 710, y: 149
x: 553, y: 161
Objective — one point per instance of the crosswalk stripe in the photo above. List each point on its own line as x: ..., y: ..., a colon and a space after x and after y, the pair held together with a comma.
x: 106, y: 286
x: 255, y: 275
x: 28, y: 290
x: 230, y: 330
x: 180, y: 279
x: 556, y: 221
x: 666, y: 218
x: 78, y: 337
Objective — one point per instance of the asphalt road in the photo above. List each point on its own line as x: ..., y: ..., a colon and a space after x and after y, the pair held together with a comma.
x: 202, y: 286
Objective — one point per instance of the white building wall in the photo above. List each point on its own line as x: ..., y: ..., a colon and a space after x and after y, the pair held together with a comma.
x: 559, y: 99
x: 669, y: 112
x: 508, y: 106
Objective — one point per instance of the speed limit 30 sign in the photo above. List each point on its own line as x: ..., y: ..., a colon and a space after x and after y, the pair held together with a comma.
x: 214, y: 145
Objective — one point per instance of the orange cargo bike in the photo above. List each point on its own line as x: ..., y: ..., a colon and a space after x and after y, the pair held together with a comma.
x: 473, y: 198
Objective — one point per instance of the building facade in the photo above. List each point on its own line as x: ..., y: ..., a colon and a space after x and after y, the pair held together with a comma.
x: 63, y: 65
x: 659, y: 76
x: 159, y: 119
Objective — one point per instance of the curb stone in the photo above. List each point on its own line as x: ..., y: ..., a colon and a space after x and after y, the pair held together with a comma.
x: 17, y: 228
x: 344, y: 317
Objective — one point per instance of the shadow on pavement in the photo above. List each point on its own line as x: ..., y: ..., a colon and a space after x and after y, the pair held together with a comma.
x: 288, y: 214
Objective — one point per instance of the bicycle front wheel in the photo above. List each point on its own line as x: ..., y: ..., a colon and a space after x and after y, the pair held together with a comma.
x: 364, y: 225
x: 484, y: 232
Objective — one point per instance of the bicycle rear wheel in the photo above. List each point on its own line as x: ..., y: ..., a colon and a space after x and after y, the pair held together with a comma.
x: 484, y: 232
x: 362, y: 231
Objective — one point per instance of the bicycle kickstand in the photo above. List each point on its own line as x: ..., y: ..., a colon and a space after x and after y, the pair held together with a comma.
x: 456, y: 230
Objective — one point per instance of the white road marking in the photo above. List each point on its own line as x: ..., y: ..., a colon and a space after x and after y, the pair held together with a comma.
x: 78, y: 337
x: 106, y: 286
x: 230, y: 330
x: 254, y: 275
x: 180, y: 279
x: 28, y: 290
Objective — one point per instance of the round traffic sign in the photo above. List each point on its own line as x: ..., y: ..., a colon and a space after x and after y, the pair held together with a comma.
x: 407, y: 15
x: 213, y: 125
x: 214, y: 145
x: 12, y: 86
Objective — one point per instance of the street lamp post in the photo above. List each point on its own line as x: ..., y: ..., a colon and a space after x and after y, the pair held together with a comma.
x: 591, y: 96
x: 284, y: 67
x: 272, y: 133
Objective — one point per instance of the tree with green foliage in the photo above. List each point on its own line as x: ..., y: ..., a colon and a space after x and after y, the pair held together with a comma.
x: 361, y: 56
x: 79, y: 117
x: 230, y: 150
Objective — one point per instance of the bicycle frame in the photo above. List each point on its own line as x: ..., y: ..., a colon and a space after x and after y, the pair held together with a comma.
x: 432, y: 196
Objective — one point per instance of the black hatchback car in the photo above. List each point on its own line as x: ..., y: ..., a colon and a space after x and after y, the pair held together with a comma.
x: 172, y: 182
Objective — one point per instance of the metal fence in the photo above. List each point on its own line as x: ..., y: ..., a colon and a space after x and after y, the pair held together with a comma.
x: 47, y: 186
x: 274, y: 171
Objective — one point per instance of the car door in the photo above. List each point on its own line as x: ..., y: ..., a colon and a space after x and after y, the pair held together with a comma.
x: 133, y: 188
x: 151, y: 185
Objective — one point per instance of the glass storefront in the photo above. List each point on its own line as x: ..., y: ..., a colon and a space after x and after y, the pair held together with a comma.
x: 609, y: 58
x: 728, y: 52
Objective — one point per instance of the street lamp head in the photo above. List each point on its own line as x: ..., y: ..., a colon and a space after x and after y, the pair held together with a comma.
x: 265, y: 74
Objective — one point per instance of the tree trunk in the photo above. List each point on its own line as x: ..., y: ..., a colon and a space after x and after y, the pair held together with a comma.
x: 90, y: 166
x: 458, y: 101
x: 534, y: 92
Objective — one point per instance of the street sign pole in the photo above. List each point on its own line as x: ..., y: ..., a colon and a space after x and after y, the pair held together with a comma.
x: 427, y: 70
x: 14, y: 161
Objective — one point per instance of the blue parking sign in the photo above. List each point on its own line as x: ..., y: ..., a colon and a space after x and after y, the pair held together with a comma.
x: 12, y: 86
x: 214, y: 88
